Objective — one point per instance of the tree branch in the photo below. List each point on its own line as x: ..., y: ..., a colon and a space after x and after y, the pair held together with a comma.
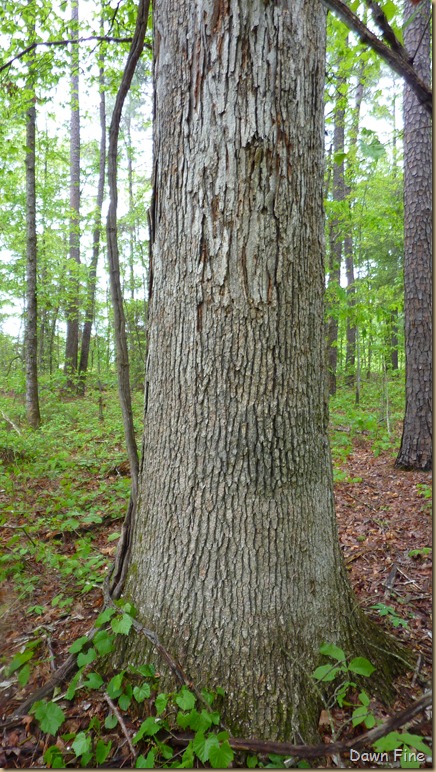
x: 325, y: 749
x: 48, y: 43
x: 393, y: 58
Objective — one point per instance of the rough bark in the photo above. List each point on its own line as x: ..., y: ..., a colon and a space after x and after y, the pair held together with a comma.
x: 336, y: 240
x: 72, y: 305
x: 235, y: 559
x: 31, y: 334
x: 416, y: 442
x: 92, y: 275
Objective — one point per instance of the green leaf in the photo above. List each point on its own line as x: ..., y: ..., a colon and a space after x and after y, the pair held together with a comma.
x: 388, y: 743
x: 369, y: 721
x: 122, y: 624
x: 389, y: 9
x: 364, y: 699
x: 149, y: 727
x: 185, y: 699
x: 102, y: 751
x: 161, y: 703
x: 202, y: 745
x: 146, y: 762
x: 326, y: 673
x: 113, y: 536
x: 221, y: 757
x: 49, y: 716
x: 252, y: 762
x: 330, y: 650
x: 78, y: 644
x: 81, y: 744
x: 19, y: 660
x: 142, y: 692
x: 24, y: 675
x: 359, y: 715
x: 114, y: 687
x: 415, y: 741
x: 110, y: 721
x: 71, y: 691
x: 104, y: 642
x: 124, y: 701
x: 104, y: 617
x: 361, y: 666
x: 93, y: 681
x: 85, y: 658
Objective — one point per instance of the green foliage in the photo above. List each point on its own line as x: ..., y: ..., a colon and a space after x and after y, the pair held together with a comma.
x: 391, y: 614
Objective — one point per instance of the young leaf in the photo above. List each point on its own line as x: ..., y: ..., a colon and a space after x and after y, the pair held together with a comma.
x: 161, y: 703
x: 185, y: 699
x: 94, y: 681
x: 102, y: 751
x: 114, y: 688
x: 81, y: 744
x: 103, y: 642
x: 110, y: 721
x: 142, y: 692
x: 145, y: 762
x: 361, y: 666
x: 330, y: 650
x: 122, y: 624
x: 85, y: 658
x: 202, y: 745
x: 24, y: 675
x: 105, y: 616
x: 221, y: 757
x: 78, y: 644
x: 325, y: 673
x: 49, y: 716
x: 149, y: 727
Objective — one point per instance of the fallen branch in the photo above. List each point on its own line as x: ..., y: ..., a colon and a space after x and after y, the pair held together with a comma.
x: 324, y: 749
x: 11, y: 423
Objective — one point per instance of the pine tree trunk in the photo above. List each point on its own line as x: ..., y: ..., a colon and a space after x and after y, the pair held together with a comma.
x: 416, y: 442
x: 72, y: 306
x: 235, y: 559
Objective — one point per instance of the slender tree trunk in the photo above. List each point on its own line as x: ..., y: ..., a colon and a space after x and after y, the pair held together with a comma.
x: 92, y: 275
x: 416, y: 442
x: 31, y: 334
x: 336, y: 242
x: 235, y: 560
x: 73, y: 285
x: 350, y: 356
x: 122, y: 353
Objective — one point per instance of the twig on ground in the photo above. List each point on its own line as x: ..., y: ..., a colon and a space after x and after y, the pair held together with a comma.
x: 117, y: 713
x: 10, y: 422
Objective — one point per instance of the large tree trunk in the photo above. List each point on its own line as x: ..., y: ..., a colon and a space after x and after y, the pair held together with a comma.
x: 31, y: 342
x: 73, y: 287
x: 416, y: 443
x: 235, y: 560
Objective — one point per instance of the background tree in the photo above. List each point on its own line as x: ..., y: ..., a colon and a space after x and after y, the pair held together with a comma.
x: 72, y: 307
x: 416, y: 443
x: 235, y: 561
x: 31, y: 340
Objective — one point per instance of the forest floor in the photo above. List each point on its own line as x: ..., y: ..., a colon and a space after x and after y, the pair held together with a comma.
x: 52, y: 594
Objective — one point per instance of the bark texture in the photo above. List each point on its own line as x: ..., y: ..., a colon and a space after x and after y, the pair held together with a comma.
x: 235, y: 559
x: 416, y: 443
x: 72, y: 307
x: 32, y: 397
x: 336, y: 228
